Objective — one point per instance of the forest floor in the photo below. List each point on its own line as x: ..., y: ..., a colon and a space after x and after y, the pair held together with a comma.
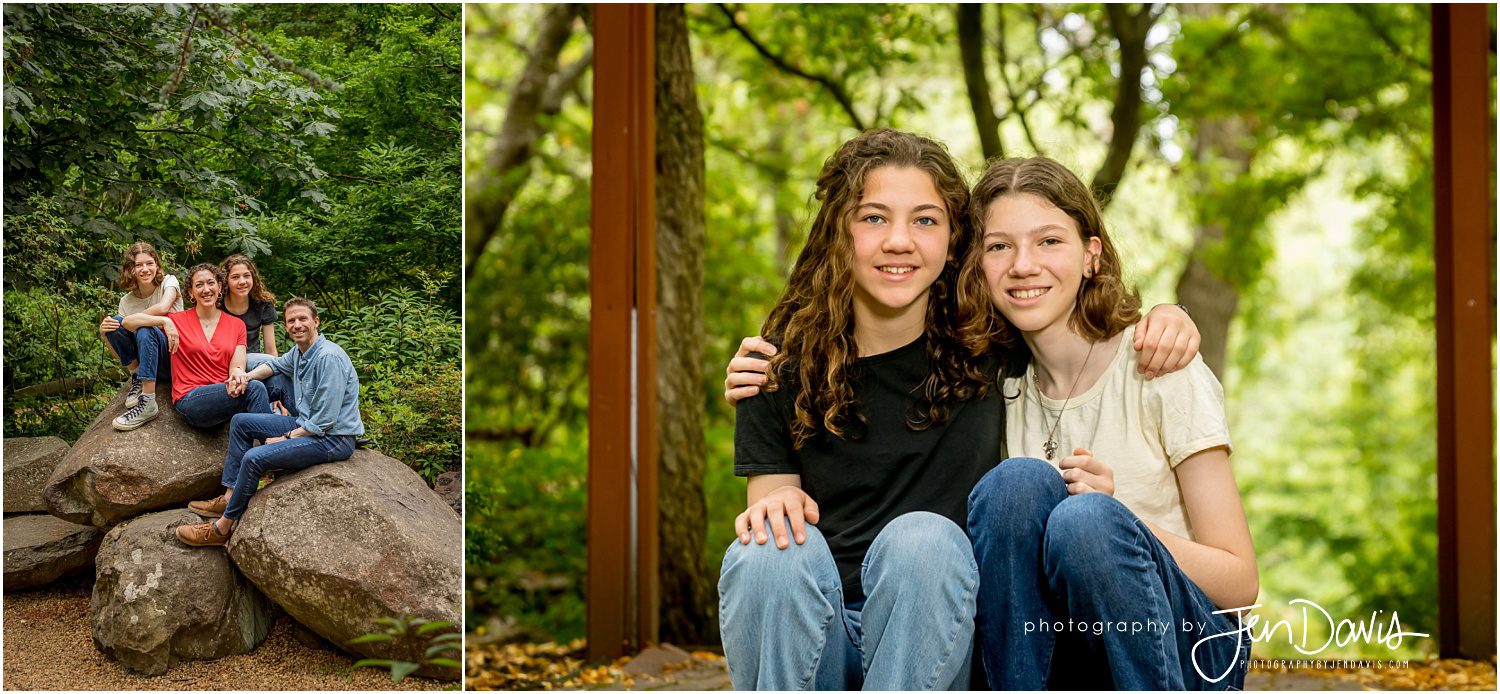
x: 665, y: 668
x: 49, y: 645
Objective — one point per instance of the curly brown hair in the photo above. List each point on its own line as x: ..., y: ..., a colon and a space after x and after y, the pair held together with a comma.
x: 1105, y: 306
x: 258, y: 291
x: 813, y: 321
x: 218, y: 274
x: 127, y: 266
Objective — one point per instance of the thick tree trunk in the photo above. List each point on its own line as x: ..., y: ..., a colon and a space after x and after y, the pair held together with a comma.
x: 970, y: 21
x: 1212, y: 300
x: 687, y: 612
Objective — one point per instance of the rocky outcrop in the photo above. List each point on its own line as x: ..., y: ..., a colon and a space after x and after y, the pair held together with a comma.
x: 157, y: 600
x: 341, y: 544
x: 40, y: 549
x: 109, y: 476
x: 28, y: 464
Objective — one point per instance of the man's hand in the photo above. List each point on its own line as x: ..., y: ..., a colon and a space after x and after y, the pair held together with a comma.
x: 1167, y: 339
x: 774, y: 509
x: 745, y: 374
x: 1086, y: 474
x: 108, y: 325
x: 276, y: 439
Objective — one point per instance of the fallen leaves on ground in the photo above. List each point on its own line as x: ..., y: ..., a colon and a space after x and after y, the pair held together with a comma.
x: 540, y: 666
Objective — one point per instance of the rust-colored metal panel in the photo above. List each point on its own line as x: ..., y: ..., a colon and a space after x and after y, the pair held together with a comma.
x: 643, y: 192
x: 1464, y: 248
x: 622, y: 396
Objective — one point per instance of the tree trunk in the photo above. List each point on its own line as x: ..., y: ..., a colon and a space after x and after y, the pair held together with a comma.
x: 1212, y: 300
x: 687, y: 607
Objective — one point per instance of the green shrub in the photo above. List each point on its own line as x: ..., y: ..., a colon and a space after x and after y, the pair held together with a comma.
x: 401, y: 329
x: 415, y: 416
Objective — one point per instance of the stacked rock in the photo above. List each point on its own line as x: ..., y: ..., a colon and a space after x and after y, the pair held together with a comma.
x: 337, y: 546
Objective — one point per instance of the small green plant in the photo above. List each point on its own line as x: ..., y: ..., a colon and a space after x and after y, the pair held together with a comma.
x: 442, y: 648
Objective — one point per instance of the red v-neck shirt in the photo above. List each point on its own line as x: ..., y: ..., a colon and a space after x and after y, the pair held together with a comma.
x: 199, y: 361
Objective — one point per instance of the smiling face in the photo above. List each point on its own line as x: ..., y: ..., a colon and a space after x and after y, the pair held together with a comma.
x: 901, y: 232
x: 145, y: 271
x: 240, y: 281
x: 301, y: 325
x: 205, y: 288
x: 1034, y: 261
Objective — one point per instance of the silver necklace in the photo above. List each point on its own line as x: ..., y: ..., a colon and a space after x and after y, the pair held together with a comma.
x: 1050, y: 447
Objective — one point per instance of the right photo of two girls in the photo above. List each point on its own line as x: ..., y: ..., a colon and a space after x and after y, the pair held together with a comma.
x: 1018, y: 347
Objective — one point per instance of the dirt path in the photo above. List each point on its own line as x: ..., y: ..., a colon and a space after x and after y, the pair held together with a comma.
x: 49, y: 645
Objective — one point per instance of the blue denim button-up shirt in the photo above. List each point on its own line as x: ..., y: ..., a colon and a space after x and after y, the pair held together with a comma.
x: 326, y: 388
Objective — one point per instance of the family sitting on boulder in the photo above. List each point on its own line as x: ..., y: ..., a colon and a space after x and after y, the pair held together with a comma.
x: 303, y: 405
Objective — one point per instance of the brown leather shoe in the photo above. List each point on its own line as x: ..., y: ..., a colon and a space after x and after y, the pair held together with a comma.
x: 204, y: 534
x: 213, y: 508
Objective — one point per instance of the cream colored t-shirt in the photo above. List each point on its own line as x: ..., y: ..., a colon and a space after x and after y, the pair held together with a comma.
x: 130, y: 303
x: 1142, y: 429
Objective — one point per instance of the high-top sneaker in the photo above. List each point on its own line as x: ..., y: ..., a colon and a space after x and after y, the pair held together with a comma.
x: 144, y: 411
x: 133, y: 396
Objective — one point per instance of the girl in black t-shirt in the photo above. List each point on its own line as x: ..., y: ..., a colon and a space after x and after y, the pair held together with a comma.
x: 247, y: 299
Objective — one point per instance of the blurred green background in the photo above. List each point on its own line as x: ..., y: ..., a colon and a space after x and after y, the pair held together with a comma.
x: 1269, y: 166
x: 322, y: 140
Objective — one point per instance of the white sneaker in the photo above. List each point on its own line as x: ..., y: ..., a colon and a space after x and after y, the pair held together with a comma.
x: 144, y: 411
x: 133, y: 396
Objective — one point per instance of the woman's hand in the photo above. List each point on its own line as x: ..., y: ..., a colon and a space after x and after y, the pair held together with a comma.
x: 774, y: 509
x: 1086, y: 474
x: 168, y: 328
x: 745, y: 374
x: 1167, y: 339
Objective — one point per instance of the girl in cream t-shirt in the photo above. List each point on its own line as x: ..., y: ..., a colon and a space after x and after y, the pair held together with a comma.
x: 1144, y: 428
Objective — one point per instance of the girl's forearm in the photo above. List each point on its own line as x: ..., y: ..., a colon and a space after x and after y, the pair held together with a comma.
x: 136, y: 321
x: 1227, y: 579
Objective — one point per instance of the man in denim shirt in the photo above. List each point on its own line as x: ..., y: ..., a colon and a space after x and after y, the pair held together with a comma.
x: 322, y: 402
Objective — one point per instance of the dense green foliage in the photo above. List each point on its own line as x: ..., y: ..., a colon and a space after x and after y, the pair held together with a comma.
x: 322, y: 140
x: 1328, y: 242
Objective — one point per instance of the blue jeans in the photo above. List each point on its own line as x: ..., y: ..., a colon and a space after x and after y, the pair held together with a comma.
x: 1077, y: 593
x: 278, y: 387
x: 209, y: 406
x: 785, y: 625
x: 244, y: 465
x: 148, y: 346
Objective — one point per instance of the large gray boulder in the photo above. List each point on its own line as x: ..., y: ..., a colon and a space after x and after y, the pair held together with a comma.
x: 157, y: 601
x: 109, y: 476
x: 28, y: 464
x: 40, y: 549
x: 341, y: 544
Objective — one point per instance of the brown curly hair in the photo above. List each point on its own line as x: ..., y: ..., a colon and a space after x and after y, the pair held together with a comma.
x: 258, y: 291
x: 813, y: 321
x: 218, y: 274
x: 127, y: 266
x: 1105, y: 306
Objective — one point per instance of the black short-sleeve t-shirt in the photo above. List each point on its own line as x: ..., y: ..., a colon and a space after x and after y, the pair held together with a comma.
x: 861, y: 483
x: 258, y: 314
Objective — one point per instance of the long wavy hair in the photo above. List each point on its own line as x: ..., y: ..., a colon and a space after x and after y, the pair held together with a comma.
x: 218, y: 274
x: 1104, y: 307
x: 128, y: 280
x: 258, y: 291
x: 813, y: 321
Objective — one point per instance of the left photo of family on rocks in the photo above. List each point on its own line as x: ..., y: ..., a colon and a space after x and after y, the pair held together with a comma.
x: 232, y: 339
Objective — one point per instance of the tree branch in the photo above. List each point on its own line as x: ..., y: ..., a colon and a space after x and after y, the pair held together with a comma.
x: 970, y: 19
x: 504, y: 171
x: 1010, y: 90
x: 1125, y: 115
x: 828, y: 84
x: 439, y: 10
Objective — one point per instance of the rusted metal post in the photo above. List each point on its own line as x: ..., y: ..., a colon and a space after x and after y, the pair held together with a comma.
x: 622, y: 532
x: 1464, y: 248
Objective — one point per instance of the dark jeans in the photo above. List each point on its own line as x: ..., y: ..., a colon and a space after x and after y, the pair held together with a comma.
x: 148, y: 346
x: 246, y: 462
x: 209, y: 406
x: 1075, y: 592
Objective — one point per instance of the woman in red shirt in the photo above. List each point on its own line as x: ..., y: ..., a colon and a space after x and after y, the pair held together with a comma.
x: 208, y: 355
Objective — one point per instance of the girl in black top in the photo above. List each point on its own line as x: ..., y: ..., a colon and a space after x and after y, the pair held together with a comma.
x: 246, y: 298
